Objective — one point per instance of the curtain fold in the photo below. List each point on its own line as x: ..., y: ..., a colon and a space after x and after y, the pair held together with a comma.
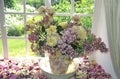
x: 112, y: 12
x: 96, y: 15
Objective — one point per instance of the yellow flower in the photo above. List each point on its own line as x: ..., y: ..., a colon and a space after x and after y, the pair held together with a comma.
x: 63, y: 24
x: 51, y: 30
x: 81, y: 32
x: 31, y: 21
x: 51, y: 40
x: 48, y: 31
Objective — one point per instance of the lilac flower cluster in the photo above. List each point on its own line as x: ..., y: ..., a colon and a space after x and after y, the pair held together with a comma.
x: 95, y: 44
x: 69, y: 36
x: 66, y: 49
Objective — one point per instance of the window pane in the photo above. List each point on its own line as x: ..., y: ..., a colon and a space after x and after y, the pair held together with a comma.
x: 15, y: 24
x: 59, y: 19
x: 86, y: 21
x: 16, y: 47
x: 84, y: 6
x: 61, y: 5
x: 33, y: 5
x: 13, y: 5
x: 36, y: 17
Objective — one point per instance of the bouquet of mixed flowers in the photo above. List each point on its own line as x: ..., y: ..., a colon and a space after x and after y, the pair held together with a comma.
x: 69, y: 39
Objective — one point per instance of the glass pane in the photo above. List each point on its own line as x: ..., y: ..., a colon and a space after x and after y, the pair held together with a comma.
x: 33, y: 5
x: 87, y: 21
x: 16, y: 47
x: 61, y: 5
x: 59, y: 19
x: 36, y: 18
x: 15, y: 24
x: 13, y: 5
x: 84, y: 6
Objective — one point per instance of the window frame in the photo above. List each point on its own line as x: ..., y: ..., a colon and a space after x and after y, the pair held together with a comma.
x: 24, y: 13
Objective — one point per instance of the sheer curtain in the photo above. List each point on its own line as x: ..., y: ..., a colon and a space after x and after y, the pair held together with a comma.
x: 113, y: 25
x: 100, y: 29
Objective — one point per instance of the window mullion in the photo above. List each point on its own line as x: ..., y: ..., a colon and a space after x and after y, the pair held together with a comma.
x: 48, y: 3
x: 3, y: 30
x: 26, y: 36
x: 72, y: 7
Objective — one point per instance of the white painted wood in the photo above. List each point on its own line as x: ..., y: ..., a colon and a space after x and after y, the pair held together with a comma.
x: 72, y: 7
x: 69, y: 14
x: 56, y: 14
x: 26, y: 36
x: 15, y: 37
x: 3, y: 30
x: 48, y: 3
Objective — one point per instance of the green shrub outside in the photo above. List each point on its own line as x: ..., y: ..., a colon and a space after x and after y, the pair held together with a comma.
x: 15, y: 21
x: 9, y: 3
x: 35, y: 3
x: 81, y: 6
x: 15, y: 31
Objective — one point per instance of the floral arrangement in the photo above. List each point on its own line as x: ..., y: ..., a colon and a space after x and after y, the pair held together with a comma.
x: 66, y: 38
x: 63, y: 41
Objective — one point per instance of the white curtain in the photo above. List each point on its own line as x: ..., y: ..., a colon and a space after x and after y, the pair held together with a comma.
x: 100, y: 29
x: 112, y: 12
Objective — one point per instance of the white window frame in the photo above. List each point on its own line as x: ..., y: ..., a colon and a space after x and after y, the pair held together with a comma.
x: 3, y: 25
